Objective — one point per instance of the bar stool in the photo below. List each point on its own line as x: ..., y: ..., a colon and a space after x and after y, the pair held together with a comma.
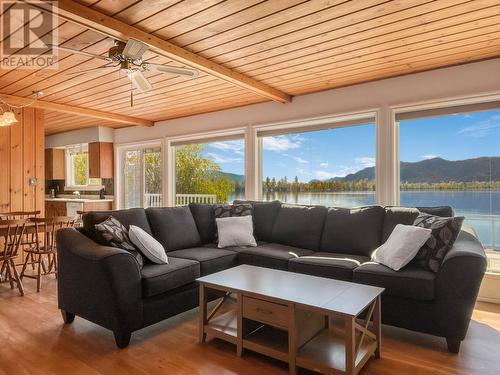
x: 45, y: 247
x: 12, y: 232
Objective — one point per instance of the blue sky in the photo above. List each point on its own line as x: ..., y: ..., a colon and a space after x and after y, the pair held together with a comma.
x: 337, y: 152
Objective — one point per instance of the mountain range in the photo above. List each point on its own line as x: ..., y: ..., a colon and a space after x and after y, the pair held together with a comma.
x: 439, y: 170
x: 428, y: 170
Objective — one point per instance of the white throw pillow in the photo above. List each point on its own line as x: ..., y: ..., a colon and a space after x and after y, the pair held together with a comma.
x: 402, y: 246
x: 149, y: 247
x: 235, y: 231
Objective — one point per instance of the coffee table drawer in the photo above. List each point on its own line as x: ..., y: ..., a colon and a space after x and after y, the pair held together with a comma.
x: 266, y: 312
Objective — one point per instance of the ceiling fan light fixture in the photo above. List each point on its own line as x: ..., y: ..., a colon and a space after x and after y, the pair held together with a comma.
x: 140, y: 82
x: 134, y: 49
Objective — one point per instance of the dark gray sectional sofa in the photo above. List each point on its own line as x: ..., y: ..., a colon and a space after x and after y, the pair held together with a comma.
x: 106, y: 286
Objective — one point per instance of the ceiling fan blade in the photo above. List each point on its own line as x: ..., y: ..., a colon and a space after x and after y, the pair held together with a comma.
x: 94, y: 70
x: 140, y: 82
x: 171, y: 69
x: 134, y: 49
x: 78, y: 52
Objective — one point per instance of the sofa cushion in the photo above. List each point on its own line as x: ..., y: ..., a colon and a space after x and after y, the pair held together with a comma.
x: 444, y: 232
x: 409, y: 282
x: 299, y: 226
x: 397, y: 215
x: 160, y: 278
x: 264, y: 215
x: 325, y: 264
x: 132, y: 216
x: 174, y: 227
x: 353, y: 231
x: 204, y: 217
x: 443, y: 211
x: 211, y: 260
x: 271, y: 255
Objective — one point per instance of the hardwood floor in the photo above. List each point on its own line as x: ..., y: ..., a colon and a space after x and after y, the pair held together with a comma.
x: 33, y: 340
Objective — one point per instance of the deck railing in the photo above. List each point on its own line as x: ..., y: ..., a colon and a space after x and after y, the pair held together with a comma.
x: 155, y: 200
x: 487, y: 227
x: 184, y: 199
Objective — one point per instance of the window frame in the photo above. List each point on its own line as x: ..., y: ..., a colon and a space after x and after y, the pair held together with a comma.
x: 490, y: 287
x: 208, y: 137
x: 119, y: 176
x: 312, y: 125
x: 69, y: 183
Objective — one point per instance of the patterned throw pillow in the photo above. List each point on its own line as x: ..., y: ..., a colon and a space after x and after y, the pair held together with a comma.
x: 445, y: 231
x: 231, y: 210
x: 117, y: 236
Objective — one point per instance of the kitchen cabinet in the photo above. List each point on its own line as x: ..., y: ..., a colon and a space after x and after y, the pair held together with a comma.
x: 54, y: 164
x: 69, y: 207
x: 101, y: 160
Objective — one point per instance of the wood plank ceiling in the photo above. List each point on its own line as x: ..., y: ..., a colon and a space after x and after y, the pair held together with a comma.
x: 295, y: 46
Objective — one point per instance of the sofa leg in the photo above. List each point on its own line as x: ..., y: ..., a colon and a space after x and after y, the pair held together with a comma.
x: 122, y: 339
x: 67, y: 317
x: 453, y: 344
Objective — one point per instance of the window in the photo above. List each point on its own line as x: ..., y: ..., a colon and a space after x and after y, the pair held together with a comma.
x: 142, y: 177
x: 333, y: 166
x: 209, y: 172
x: 77, y: 169
x: 454, y: 160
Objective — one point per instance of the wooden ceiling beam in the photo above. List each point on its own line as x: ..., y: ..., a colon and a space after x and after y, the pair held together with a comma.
x: 99, y: 22
x: 65, y: 108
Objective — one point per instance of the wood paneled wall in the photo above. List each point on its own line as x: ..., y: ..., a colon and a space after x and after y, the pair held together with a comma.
x: 22, y: 155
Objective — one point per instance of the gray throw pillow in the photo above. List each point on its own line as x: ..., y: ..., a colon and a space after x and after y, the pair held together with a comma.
x: 401, y: 246
x: 116, y: 235
x: 445, y: 231
x: 235, y: 231
x: 147, y: 244
x: 231, y: 210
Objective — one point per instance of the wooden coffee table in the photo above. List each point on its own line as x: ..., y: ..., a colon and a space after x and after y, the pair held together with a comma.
x: 325, y: 325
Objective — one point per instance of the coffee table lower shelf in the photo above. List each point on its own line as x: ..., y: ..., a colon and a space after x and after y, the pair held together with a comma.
x: 326, y: 351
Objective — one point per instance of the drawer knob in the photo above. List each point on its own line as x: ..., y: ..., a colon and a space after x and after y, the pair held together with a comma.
x: 264, y: 311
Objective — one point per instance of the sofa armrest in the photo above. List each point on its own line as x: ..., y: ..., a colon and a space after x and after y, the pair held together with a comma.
x: 458, y: 282
x: 99, y: 283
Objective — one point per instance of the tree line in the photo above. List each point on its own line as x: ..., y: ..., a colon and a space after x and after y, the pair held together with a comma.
x: 271, y: 185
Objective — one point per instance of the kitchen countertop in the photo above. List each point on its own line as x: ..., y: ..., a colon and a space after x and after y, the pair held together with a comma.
x: 79, y: 200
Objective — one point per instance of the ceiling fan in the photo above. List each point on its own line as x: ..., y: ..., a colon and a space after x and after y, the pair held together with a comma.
x: 128, y: 58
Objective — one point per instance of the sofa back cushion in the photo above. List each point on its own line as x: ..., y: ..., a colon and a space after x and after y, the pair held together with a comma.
x: 356, y: 231
x: 395, y: 215
x: 132, y: 216
x: 443, y: 211
x: 264, y: 216
x: 174, y: 227
x: 203, y: 214
x: 299, y: 226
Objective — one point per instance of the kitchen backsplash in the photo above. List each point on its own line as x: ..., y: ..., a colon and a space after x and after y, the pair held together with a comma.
x: 58, y: 186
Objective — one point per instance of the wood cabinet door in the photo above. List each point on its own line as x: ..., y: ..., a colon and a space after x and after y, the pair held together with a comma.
x: 101, y: 160
x: 54, y: 164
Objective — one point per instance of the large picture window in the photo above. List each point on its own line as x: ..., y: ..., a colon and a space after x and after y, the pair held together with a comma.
x: 454, y: 160
x: 331, y: 167
x: 210, y: 171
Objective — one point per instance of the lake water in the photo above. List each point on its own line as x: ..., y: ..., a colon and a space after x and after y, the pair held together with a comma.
x: 480, y: 208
